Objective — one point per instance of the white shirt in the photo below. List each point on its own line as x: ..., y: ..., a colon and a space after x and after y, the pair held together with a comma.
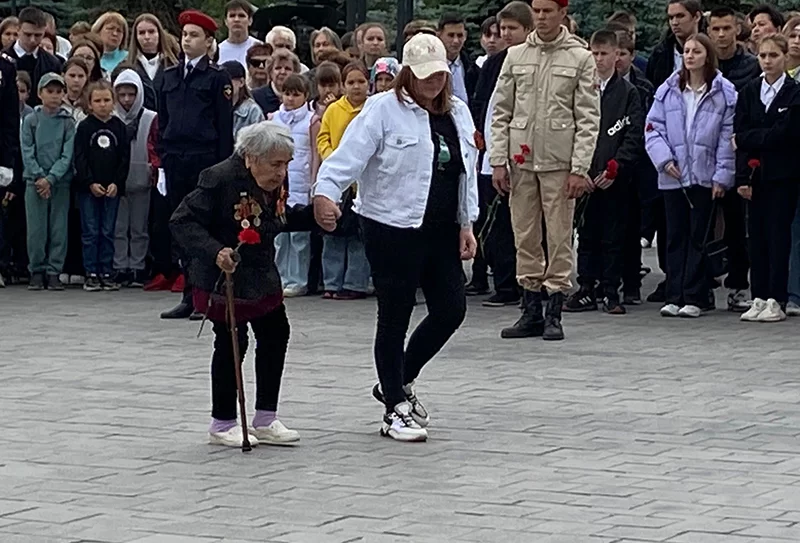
x: 677, y: 60
x: 388, y: 150
x: 22, y: 52
x: 150, y: 65
x: 191, y: 62
x: 459, y: 85
x: 604, y: 84
x: 236, y: 51
x: 692, y: 98
x: 481, y: 60
x: 769, y: 92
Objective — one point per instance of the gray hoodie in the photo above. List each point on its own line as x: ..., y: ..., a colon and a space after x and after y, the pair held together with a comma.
x: 138, y: 120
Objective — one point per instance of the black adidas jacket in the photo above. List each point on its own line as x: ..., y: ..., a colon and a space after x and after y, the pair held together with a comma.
x: 621, y: 135
x: 770, y: 136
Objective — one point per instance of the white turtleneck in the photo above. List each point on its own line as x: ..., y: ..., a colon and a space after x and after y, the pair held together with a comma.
x: 150, y: 65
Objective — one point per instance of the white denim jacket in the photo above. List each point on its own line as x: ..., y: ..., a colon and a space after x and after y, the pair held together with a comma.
x: 388, y: 150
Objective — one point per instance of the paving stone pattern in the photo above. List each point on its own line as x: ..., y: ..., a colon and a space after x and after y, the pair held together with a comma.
x: 635, y: 429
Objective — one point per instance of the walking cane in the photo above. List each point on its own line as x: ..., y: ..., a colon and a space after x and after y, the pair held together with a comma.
x: 237, y: 360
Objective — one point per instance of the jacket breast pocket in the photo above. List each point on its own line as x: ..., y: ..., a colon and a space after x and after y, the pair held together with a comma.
x: 397, y: 160
x: 563, y: 79
x: 524, y: 76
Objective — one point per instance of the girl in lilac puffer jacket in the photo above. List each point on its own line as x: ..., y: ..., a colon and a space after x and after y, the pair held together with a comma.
x: 688, y: 137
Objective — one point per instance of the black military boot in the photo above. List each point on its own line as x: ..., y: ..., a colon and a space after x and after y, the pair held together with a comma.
x: 181, y: 311
x: 552, y: 319
x: 531, y: 323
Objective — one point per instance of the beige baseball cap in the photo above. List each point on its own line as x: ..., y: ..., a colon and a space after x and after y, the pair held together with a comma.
x: 425, y: 55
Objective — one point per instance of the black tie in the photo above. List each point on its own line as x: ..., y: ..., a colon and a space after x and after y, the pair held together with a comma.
x: 189, y: 69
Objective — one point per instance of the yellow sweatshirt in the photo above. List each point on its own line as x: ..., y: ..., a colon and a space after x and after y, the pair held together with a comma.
x: 334, y: 122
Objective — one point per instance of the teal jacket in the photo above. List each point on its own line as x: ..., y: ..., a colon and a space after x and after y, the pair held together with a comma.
x: 47, y: 146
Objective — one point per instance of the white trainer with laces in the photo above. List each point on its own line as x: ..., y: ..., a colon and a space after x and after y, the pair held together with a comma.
x: 792, y: 310
x: 276, y: 434
x: 690, y: 312
x: 232, y: 438
x: 294, y: 291
x: 401, y: 426
x: 751, y: 315
x: 418, y: 411
x: 772, y: 313
x: 670, y: 310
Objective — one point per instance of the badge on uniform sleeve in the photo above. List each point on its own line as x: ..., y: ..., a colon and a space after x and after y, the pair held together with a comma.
x: 227, y: 91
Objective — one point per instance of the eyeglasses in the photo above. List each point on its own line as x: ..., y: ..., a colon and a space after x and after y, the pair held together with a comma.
x: 258, y: 62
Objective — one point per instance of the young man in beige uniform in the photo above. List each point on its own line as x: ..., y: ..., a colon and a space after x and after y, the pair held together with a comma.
x: 544, y: 129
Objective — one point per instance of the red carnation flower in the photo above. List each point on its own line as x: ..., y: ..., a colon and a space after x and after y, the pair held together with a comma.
x: 519, y: 159
x: 612, y: 169
x: 525, y: 149
x: 754, y: 163
x: 248, y: 236
x: 649, y: 127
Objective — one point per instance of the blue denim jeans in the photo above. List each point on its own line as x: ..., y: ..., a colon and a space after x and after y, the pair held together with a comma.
x: 794, y: 261
x: 344, y: 264
x: 98, y: 223
x: 292, y: 258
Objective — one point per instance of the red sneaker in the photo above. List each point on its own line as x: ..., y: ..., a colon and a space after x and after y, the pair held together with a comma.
x: 179, y: 284
x: 159, y: 282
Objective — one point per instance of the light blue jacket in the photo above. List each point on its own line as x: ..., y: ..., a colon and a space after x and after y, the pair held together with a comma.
x: 388, y: 150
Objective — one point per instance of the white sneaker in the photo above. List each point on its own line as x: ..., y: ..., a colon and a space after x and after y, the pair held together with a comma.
x: 295, y: 291
x: 690, y: 312
x: 401, y: 426
x: 64, y: 278
x: 76, y: 280
x: 670, y: 310
x: 772, y: 313
x: 232, y: 438
x: 738, y: 301
x: 418, y: 411
x: 751, y: 315
x: 276, y: 434
x: 792, y: 310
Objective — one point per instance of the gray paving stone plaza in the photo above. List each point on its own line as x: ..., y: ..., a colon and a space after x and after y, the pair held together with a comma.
x: 635, y: 429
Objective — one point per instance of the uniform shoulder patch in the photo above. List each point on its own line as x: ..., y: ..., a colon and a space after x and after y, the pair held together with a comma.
x: 227, y: 92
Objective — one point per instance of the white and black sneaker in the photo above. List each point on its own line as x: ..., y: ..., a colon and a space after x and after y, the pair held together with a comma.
x: 401, y: 426
x: 418, y: 411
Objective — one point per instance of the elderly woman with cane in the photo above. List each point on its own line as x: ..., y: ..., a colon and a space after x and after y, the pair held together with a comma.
x: 228, y: 224
x: 413, y: 154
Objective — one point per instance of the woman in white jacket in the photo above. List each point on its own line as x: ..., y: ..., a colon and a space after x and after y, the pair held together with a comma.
x: 413, y: 155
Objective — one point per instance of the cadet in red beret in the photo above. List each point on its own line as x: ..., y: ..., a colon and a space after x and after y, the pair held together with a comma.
x: 195, y: 122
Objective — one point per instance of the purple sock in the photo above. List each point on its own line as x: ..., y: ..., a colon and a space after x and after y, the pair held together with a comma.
x: 220, y: 426
x: 264, y: 418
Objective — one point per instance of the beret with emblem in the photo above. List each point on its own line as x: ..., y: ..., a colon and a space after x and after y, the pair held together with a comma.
x: 195, y: 17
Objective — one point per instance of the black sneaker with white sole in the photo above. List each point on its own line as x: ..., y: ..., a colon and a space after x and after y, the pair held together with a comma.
x: 418, y: 411
x: 401, y: 426
x: 582, y: 300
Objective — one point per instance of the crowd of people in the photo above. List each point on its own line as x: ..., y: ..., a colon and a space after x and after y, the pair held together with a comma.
x: 116, y: 143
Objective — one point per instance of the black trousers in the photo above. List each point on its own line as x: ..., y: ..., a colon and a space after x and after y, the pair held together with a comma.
x: 602, y: 238
x: 480, y: 264
x: 501, y: 253
x: 14, y: 242
x: 631, y: 245
x: 401, y: 259
x: 772, y: 211
x: 733, y: 209
x: 160, y: 248
x: 687, y: 280
x: 272, y: 338
x: 182, y: 172
x: 654, y: 223
x: 73, y: 264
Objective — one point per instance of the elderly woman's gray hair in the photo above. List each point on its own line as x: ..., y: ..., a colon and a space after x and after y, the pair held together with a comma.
x: 261, y: 139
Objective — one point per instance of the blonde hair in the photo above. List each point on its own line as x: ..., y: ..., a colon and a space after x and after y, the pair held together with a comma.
x: 167, y: 54
x: 117, y: 19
